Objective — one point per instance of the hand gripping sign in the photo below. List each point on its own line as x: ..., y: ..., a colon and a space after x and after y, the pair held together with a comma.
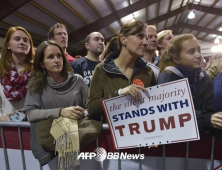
x: 164, y: 115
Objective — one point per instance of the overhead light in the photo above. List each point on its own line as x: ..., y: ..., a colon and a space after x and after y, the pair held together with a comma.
x: 216, y: 49
x: 216, y: 41
x: 220, y: 29
x: 191, y: 15
x: 133, y: 19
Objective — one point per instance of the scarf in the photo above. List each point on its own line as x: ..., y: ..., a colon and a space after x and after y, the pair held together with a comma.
x: 15, y: 85
x: 193, y: 75
x: 65, y: 133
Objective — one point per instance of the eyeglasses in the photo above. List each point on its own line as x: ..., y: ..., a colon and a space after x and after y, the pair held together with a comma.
x: 61, y: 34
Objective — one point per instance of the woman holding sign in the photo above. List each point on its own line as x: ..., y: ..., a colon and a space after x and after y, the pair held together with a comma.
x: 122, y: 72
x: 181, y: 59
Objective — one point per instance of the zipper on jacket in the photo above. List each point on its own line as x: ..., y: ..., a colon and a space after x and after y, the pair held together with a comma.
x: 44, y: 156
x: 121, y: 74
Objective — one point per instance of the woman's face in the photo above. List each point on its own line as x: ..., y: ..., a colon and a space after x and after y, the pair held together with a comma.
x: 190, y: 55
x: 166, y: 41
x: 19, y: 43
x: 136, y: 44
x: 52, y: 61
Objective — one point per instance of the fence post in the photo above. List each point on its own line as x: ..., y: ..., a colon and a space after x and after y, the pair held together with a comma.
x: 97, y: 163
x: 140, y: 162
x: 4, y: 149
x: 212, y: 154
x: 187, y: 155
x: 119, y: 161
x: 163, y: 158
x: 21, y: 147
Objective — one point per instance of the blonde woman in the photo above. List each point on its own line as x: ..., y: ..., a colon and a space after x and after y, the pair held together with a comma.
x: 182, y: 59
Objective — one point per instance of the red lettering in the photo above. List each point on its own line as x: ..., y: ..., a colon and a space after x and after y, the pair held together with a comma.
x: 134, y: 127
x: 120, y: 128
x: 184, y: 118
x: 146, y: 128
x: 167, y: 124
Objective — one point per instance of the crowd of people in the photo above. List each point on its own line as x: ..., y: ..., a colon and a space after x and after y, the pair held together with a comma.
x: 49, y: 84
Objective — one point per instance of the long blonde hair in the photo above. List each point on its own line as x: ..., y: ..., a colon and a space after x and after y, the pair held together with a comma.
x: 6, y: 55
x: 173, y: 50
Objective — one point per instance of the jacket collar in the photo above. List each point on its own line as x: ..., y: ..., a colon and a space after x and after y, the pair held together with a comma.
x: 110, y: 66
x: 177, y: 72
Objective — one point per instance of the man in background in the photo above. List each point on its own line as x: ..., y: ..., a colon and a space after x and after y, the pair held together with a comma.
x: 150, y: 53
x: 58, y: 33
x: 85, y: 66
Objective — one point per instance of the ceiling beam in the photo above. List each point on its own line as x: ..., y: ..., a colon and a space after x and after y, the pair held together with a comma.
x: 81, y: 33
x: 197, y: 28
x: 7, y: 7
x: 209, y: 10
x: 168, y: 15
x: 176, y: 26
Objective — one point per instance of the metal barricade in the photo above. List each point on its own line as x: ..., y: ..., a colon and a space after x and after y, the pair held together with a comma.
x: 20, y: 125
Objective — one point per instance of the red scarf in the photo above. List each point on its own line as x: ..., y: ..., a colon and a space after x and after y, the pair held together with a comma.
x: 15, y: 85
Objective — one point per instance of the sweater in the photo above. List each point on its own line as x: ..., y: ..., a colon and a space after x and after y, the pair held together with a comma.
x: 72, y: 92
x: 108, y: 79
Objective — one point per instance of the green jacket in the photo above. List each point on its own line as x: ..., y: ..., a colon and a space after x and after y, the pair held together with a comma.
x: 108, y: 79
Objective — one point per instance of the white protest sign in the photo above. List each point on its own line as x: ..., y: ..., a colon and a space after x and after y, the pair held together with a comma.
x: 164, y: 115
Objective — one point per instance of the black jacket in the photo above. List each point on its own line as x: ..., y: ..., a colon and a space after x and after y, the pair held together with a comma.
x: 203, y: 100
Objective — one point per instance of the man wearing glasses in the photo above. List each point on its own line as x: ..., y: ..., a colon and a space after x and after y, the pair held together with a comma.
x: 59, y: 34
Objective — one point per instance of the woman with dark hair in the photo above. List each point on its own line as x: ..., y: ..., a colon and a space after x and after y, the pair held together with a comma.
x: 15, y: 63
x: 55, y: 92
x: 181, y: 59
x: 120, y: 72
x: 113, y: 46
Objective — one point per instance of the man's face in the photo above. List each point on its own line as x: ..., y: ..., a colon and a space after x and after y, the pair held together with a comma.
x: 96, y: 43
x: 61, y: 37
x: 152, y: 39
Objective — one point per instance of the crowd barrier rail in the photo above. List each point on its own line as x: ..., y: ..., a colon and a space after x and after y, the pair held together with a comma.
x: 20, y: 125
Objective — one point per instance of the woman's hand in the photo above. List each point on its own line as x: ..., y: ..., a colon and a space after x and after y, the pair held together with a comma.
x: 134, y: 91
x: 73, y: 112
x: 216, y: 120
x: 7, y: 117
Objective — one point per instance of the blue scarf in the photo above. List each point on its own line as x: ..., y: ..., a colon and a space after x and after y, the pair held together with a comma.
x: 193, y: 75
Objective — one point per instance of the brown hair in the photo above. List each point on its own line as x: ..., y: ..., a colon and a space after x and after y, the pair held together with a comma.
x: 113, y: 46
x: 51, y: 30
x: 173, y: 50
x: 131, y: 28
x: 6, y: 55
x: 38, y: 78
